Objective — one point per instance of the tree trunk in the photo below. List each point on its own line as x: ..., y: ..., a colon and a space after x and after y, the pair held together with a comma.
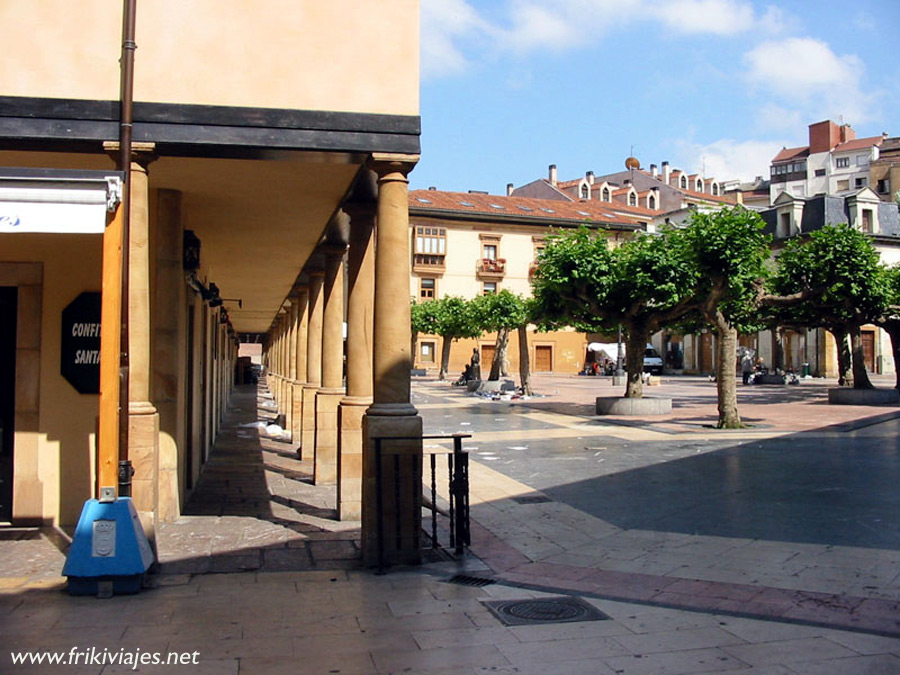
x: 893, y: 330
x: 634, y: 362
x: 446, y: 343
x: 726, y: 377
x: 524, y: 361
x: 499, y: 353
x: 845, y: 375
x: 860, y: 376
x: 413, y: 338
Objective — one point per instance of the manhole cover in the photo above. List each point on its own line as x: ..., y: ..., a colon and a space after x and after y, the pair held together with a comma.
x: 562, y: 609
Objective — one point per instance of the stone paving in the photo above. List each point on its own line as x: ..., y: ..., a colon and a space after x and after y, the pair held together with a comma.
x: 302, y: 604
x: 255, y: 507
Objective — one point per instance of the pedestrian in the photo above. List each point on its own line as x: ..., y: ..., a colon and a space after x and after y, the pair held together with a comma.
x: 475, y: 362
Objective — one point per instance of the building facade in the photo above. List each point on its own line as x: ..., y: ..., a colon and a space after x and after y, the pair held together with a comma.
x: 256, y: 175
x: 469, y: 244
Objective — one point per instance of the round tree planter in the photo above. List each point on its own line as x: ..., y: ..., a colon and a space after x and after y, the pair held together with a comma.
x: 635, y: 407
x: 847, y: 396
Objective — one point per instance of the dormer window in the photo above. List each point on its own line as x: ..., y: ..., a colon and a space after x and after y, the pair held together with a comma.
x: 585, y: 192
x: 699, y: 185
x: 651, y: 203
x: 715, y: 189
x: 684, y: 183
x: 632, y: 199
x: 606, y: 195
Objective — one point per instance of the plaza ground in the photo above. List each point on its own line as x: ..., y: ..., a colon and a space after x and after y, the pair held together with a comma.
x: 773, y: 549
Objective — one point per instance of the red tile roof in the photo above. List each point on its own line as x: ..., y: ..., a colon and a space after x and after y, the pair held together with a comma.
x: 484, y: 207
x: 859, y: 144
x: 791, y: 153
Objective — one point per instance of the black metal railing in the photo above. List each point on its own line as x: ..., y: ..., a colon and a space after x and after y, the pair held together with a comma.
x: 457, y: 513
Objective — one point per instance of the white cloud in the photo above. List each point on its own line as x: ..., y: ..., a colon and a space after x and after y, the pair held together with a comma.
x: 807, y: 76
x: 727, y: 159
x: 449, y: 27
x: 721, y: 17
x: 446, y: 24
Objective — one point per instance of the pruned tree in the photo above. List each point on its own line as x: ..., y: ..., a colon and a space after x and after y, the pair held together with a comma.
x: 847, y: 287
x: 498, y: 313
x: 642, y: 285
x: 727, y: 250
x: 453, y: 320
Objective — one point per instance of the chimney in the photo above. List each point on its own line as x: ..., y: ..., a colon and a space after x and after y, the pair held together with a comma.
x: 847, y: 134
x: 590, y: 177
x: 667, y: 172
x: 654, y: 171
x: 433, y: 188
x: 553, y: 175
x: 739, y: 196
x: 509, y: 189
x: 823, y: 136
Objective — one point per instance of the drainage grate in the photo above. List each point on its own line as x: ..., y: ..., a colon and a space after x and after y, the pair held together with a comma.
x: 563, y: 609
x: 532, y: 499
x: 466, y: 580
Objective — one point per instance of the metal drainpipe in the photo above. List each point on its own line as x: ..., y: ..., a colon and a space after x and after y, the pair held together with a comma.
x: 126, y: 98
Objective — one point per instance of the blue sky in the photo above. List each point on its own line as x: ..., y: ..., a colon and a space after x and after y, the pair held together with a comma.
x: 511, y: 86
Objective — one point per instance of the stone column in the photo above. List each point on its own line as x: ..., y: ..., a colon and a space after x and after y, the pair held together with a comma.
x: 299, y: 347
x: 313, y: 363
x: 143, y: 430
x: 360, y: 307
x: 169, y: 360
x: 391, y: 413
x: 293, y: 313
x: 332, y: 390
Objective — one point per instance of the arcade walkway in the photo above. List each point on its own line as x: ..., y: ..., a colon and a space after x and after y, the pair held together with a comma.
x: 255, y: 507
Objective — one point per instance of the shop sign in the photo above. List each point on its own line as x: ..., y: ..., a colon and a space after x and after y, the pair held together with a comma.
x: 80, y: 344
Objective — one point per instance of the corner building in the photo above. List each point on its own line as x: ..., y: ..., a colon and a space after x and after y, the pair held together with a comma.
x: 272, y: 144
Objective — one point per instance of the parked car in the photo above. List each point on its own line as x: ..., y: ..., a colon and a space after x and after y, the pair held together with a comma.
x: 653, y: 362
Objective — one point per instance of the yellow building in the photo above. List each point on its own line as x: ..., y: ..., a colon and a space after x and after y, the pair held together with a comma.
x: 469, y: 244
x: 268, y: 140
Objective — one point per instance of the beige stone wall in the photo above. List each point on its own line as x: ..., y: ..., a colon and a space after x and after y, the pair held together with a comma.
x: 54, y: 455
x: 297, y: 54
x: 568, y: 349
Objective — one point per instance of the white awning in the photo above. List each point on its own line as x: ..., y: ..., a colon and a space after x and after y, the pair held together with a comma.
x: 49, y: 201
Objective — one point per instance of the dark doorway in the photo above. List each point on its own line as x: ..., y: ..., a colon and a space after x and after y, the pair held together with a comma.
x: 8, y: 302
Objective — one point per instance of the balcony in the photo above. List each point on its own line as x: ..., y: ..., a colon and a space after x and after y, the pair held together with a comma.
x: 428, y: 263
x: 486, y: 268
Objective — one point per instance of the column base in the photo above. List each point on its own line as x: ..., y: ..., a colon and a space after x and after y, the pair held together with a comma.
x: 308, y: 433
x: 325, y: 468
x: 392, y: 534
x: 351, y: 411
x: 143, y: 451
x: 297, y: 412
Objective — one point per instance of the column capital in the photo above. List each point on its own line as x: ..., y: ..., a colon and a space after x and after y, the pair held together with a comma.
x: 142, y: 153
x: 392, y: 166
